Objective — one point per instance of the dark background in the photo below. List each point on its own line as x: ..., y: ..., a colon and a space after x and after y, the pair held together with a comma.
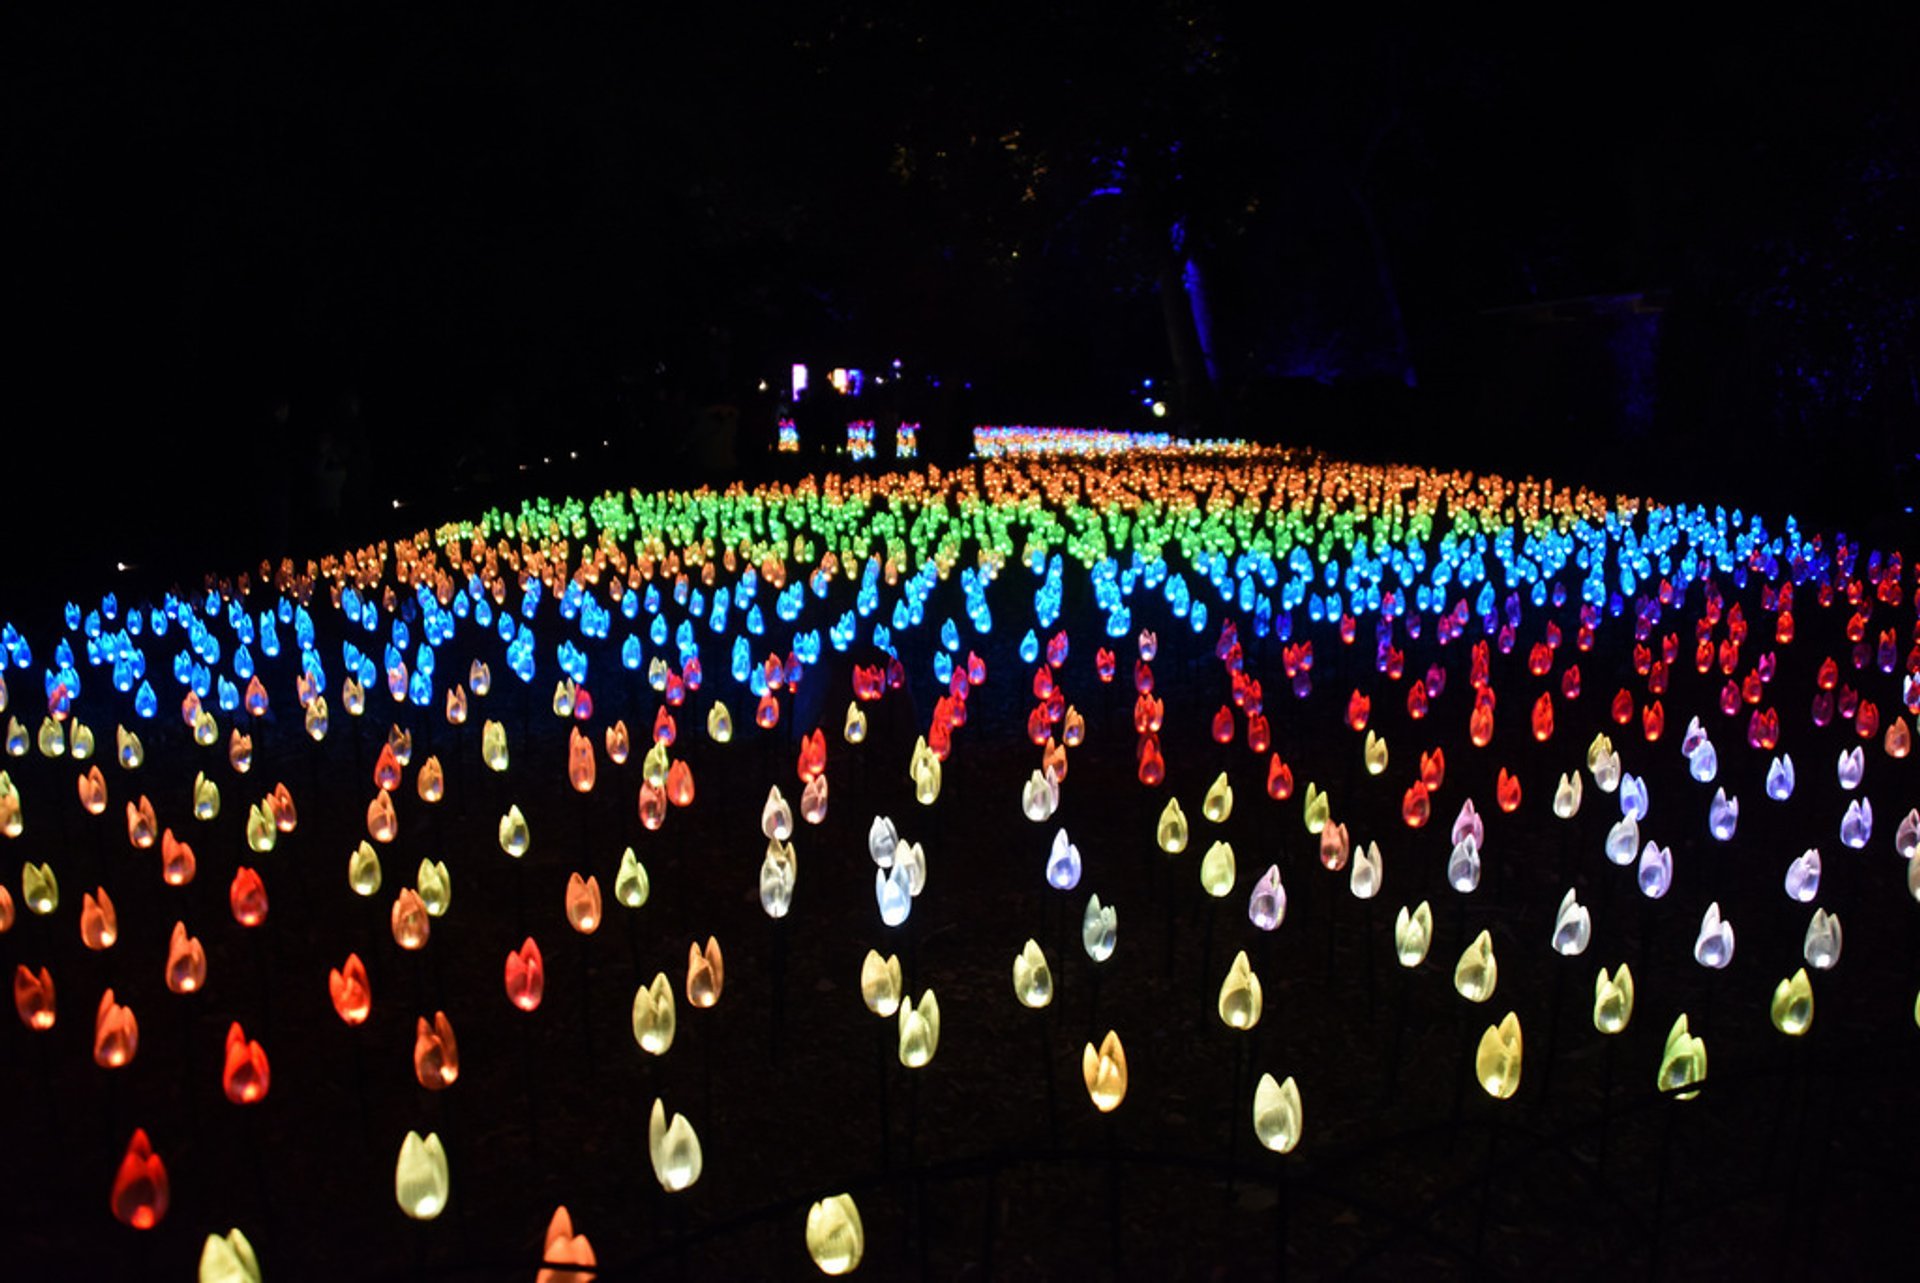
x: 1673, y: 260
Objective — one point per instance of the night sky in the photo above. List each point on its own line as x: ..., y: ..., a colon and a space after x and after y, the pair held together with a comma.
x: 1529, y: 249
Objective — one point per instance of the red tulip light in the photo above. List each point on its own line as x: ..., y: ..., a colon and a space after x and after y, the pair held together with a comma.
x: 436, y: 1056
x: 347, y: 986
x: 246, y: 1076
x: 248, y: 897
x: 1507, y: 790
x: 140, y: 1189
x: 526, y: 976
x: 33, y: 997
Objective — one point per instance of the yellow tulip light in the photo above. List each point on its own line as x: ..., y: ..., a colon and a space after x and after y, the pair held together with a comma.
x: 1613, y: 1000
x: 363, y: 869
x: 630, y: 885
x: 493, y: 745
x: 80, y: 740
x: 654, y: 766
x: 776, y: 817
x: 1792, y: 1008
x: 515, y: 838
x: 263, y: 833
x: 1105, y: 1072
x: 1413, y: 934
x: 719, y: 723
x: 1477, y: 973
x: 206, y: 797
x: 420, y: 1179
x: 53, y: 738
x: 1171, y: 831
x: 919, y: 1030
x: 434, y: 885
x: 1683, y: 1063
x: 228, y: 1260
x: 1603, y: 764
x: 1316, y: 809
x: 1217, y: 869
x: 654, y: 1016
x: 674, y: 1148
x: 835, y: 1238
x: 1375, y: 754
x: 1276, y: 1114
x: 881, y: 984
x: 1240, y: 1001
x: 924, y: 769
x: 1218, y: 803
x: 39, y: 888
x: 854, y: 731
x: 1497, y: 1063
x: 316, y: 718
x: 706, y: 974
x: 1032, y: 977
x: 128, y: 749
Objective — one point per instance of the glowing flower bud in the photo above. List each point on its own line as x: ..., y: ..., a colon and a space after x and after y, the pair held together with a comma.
x: 348, y: 988
x: 479, y: 678
x: 1497, y: 1062
x: 674, y: 1148
x: 1240, y: 1002
x: 1217, y: 806
x: 1856, y: 827
x: 1416, y: 805
x: 883, y: 840
x: 456, y: 705
x: 116, y: 1033
x: 1413, y: 934
x: 1633, y: 797
x: 1566, y: 798
x: 891, y: 889
x: 1099, y: 929
x: 1105, y: 1072
x: 186, y: 961
x: 421, y: 1182
x: 432, y: 784
x: 654, y: 1016
x: 1613, y: 1000
x: 1572, y: 927
x: 1655, y: 873
x: 526, y: 976
x: 1334, y: 847
x: 1171, y: 831
x: 33, y: 998
x: 1277, y: 1114
x: 705, y: 974
x: 363, y: 869
x: 1217, y: 870
x: 228, y: 1260
x: 386, y: 770
x: 1374, y: 754
x: 493, y: 745
x: 316, y: 716
x: 514, y: 836
x: 247, y: 897
x: 563, y: 697
x: 129, y: 750
x: 1683, y: 1062
x: 435, y: 885
x: 246, y: 1075
x: 1368, y: 872
x: 436, y: 1056
x: 53, y: 738
x: 383, y: 824
x: 1623, y: 841
x: 141, y: 825
x: 564, y: 1247
x: 776, y: 817
x: 1316, y: 809
x: 6, y: 910
x: 854, y: 731
x: 1713, y: 947
x: 1898, y: 741
x: 1821, y: 948
x: 778, y: 870
x: 1477, y: 972
x: 880, y: 983
x: 92, y: 787
x: 1463, y: 865
x: 99, y: 924
x: 630, y: 886
x: 924, y: 769
x: 141, y: 1191
x: 39, y: 888
x: 1032, y: 977
x: 1469, y: 824
x: 1039, y: 798
x: 1603, y: 764
x: 910, y: 862
x: 1063, y: 863
x: 835, y: 1238
x: 411, y: 921
x: 1792, y: 1006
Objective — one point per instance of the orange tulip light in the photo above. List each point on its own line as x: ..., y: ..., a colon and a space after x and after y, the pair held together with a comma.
x: 246, y: 1076
x: 526, y: 976
x: 1105, y: 1073
x: 383, y: 825
x: 1543, y: 717
x: 140, y: 1189
x: 705, y: 974
x: 116, y: 1033
x: 6, y: 910
x: 33, y: 997
x: 813, y: 756
x: 411, y: 922
x: 581, y: 766
x: 1359, y: 708
x: 177, y: 864
x: 1653, y: 720
x: 619, y: 744
x: 186, y: 962
x: 386, y: 770
x: 1416, y: 805
x: 1279, y: 779
x: 1433, y: 769
x: 247, y: 896
x: 141, y: 824
x: 99, y: 924
x: 1507, y: 790
x: 583, y: 904
x: 679, y: 786
x: 564, y: 1247
x: 93, y: 791
x: 279, y: 805
x: 1480, y: 725
x: 347, y: 986
x: 240, y: 752
x: 432, y: 784
x: 436, y: 1056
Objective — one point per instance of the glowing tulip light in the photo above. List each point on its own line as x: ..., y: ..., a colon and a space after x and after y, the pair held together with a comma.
x: 1277, y: 1115
x: 835, y: 1238
x: 421, y: 1181
x: 1105, y: 1072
